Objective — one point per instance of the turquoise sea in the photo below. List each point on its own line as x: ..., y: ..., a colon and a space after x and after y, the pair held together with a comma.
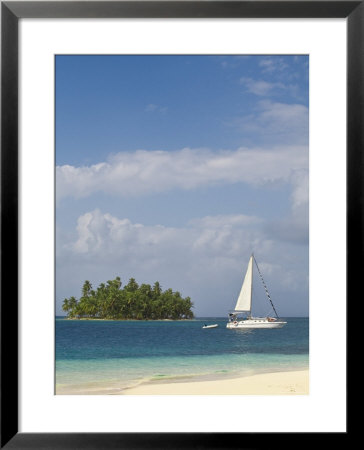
x: 126, y: 353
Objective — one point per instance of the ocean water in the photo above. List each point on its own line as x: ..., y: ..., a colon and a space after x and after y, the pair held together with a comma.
x: 127, y: 353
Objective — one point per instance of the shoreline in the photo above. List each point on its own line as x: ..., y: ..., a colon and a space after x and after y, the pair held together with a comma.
x: 126, y: 320
x: 295, y: 382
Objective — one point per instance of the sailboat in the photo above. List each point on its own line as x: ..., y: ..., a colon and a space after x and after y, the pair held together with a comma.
x: 244, y: 305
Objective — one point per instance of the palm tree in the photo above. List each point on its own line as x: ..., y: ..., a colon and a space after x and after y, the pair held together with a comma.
x: 132, y: 302
x: 86, y: 288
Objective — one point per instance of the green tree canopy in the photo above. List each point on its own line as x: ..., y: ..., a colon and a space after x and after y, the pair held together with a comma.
x: 111, y: 301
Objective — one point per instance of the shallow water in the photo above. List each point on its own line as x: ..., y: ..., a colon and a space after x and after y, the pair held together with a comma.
x: 130, y: 352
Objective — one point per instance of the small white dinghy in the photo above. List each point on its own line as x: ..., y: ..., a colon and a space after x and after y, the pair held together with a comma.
x: 215, y: 325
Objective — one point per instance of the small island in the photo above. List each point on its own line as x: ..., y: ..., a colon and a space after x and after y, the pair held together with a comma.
x: 132, y: 302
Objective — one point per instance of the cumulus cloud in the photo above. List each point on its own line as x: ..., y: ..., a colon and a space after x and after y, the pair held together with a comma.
x: 143, y: 172
x: 202, y: 259
x: 103, y: 234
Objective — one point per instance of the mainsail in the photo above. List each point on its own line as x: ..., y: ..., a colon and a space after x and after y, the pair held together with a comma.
x: 244, y: 305
x: 245, y: 297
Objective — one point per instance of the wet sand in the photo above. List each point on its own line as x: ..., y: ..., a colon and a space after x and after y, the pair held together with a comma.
x: 277, y: 383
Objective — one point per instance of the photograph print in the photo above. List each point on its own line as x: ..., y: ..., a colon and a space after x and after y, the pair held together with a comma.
x: 182, y: 225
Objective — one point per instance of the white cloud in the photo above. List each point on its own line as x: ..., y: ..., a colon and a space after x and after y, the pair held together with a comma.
x: 155, y: 108
x: 265, y: 88
x: 223, y: 221
x: 103, y: 234
x: 144, y: 172
x: 231, y: 61
x: 300, y: 190
x: 273, y: 64
x: 260, y: 87
x: 277, y: 122
x: 205, y: 259
x: 294, y: 228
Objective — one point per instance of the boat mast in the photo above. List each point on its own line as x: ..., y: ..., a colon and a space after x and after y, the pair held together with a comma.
x: 251, y: 291
x: 265, y: 287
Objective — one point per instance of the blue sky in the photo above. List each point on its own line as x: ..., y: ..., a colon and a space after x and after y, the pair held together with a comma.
x: 175, y: 168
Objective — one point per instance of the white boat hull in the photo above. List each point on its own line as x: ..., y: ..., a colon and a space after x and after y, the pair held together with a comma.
x: 244, y: 305
x: 255, y: 323
x: 210, y: 326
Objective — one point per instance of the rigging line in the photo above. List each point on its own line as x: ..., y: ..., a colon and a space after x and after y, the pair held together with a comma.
x: 265, y: 287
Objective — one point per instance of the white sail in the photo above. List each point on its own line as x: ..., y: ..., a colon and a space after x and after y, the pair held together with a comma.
x: 244, y: 302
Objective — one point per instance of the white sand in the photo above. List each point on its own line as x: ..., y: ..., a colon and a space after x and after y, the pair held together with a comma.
x: 277, y: 383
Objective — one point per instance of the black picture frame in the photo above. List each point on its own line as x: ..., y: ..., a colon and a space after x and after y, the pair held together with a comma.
x: 11, y: 12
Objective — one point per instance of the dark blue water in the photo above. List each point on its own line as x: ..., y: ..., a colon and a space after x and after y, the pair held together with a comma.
x: 130, y: 351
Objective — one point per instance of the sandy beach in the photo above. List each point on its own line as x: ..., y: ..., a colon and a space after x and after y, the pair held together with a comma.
x: 277, y: 383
